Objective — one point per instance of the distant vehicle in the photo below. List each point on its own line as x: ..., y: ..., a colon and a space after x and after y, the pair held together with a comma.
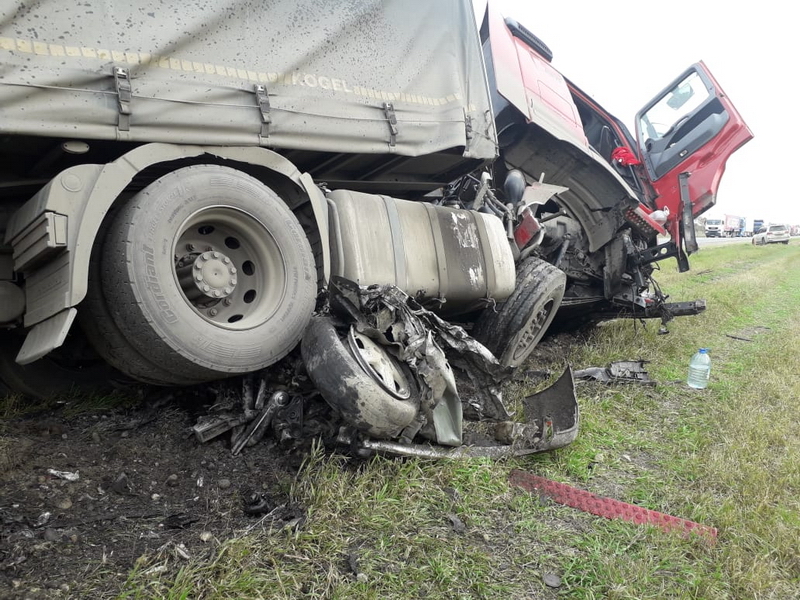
x: 758, y: 224
x: 728, y: 226
x: 794, y: 230
x: 771, y: 235
x: 714, y: 227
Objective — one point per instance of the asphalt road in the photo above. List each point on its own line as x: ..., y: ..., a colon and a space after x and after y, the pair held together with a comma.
x: 716, y: 241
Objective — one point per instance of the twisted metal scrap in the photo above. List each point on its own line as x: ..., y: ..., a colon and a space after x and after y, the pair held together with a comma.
x: 427, y: 344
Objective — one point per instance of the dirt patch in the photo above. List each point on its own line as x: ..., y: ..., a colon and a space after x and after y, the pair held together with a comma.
x: 143, y: 484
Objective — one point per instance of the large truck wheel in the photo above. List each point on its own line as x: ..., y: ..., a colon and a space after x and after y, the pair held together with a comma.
x: 512, y: 329
x: 373, y: 390
x: 204, y: 274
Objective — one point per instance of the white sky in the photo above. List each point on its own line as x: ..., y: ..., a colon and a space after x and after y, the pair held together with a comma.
x: 623, y: 52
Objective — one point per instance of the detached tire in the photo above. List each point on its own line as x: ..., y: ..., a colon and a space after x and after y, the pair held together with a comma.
x: 513, y: 328
x: 381, y: 406
x: 204, y: 274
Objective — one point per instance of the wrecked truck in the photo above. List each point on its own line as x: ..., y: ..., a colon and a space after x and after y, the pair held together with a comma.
x: 181, y: 186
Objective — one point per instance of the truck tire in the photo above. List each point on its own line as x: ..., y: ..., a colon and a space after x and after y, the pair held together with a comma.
x: 105, y: 336
x: 381, y: 401
x: 205, y: 273
x: 512, y: 329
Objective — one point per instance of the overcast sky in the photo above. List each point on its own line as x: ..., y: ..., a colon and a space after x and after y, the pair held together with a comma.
x: 624, y: 52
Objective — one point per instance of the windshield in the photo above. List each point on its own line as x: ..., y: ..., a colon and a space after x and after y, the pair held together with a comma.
x: 777, y: 228
x: 714, y: 222
x: 674, y: 107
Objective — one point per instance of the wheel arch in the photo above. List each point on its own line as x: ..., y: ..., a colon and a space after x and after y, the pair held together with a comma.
x: 86, y: 193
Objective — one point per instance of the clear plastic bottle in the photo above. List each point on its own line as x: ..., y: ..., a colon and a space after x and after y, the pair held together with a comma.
x: 699, y: 369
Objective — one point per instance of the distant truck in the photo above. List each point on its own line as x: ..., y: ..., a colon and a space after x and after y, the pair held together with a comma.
x: 734, y: 226
x: 728, y: 226
x: 757, y: 224
x: 714, y: 227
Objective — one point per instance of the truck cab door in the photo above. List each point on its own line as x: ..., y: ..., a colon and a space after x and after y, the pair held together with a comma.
x: 685, y: 136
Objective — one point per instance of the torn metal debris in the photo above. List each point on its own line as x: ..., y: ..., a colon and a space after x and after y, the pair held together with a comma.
x: 383, y: 364
x: 623, y: 371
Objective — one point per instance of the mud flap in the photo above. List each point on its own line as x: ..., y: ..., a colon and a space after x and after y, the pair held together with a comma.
x: 555, y: 411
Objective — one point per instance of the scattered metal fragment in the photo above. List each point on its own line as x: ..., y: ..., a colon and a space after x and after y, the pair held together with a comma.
x: 258, y: 426
x: 122, y: 485
x: 43, y: 519
x: 606, y: 507
x: 736, y: 337
x: 67, y: 475
x: 209, y: 427
x: 182, y: 552
x: 457, y: 523
x: 623, y: 371
x: 179, y: 521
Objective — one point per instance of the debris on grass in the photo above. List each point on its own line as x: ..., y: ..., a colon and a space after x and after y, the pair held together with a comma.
x: 622, y: 371
x: 608, y: 508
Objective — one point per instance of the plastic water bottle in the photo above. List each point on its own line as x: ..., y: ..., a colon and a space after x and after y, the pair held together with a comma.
x: 699, y: 369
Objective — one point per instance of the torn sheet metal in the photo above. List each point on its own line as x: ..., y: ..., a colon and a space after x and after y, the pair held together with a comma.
x: 623, y: 371
x: 551, y: 421
x: 284, y: 400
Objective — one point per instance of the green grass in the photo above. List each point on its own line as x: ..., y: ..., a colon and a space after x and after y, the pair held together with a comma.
x: 727, y: 457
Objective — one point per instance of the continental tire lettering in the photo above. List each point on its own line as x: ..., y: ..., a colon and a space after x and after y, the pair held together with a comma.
x: 155, y: 287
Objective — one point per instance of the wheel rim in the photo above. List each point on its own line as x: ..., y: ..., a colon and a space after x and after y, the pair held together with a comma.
x: 229, y: 268
x: 379, y: 364
x: 532, y: 332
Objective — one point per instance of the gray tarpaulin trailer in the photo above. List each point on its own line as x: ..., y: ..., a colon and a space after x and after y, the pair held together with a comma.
x: 175, y: 157
x: 378, y: 78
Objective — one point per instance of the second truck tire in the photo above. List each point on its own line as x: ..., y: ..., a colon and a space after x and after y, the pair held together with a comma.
x: 512, y: 329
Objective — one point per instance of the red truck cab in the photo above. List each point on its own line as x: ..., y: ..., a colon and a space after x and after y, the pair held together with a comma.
x: 617, y: 196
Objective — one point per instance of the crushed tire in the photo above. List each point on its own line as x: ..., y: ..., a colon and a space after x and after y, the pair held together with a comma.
x: 344, y: 384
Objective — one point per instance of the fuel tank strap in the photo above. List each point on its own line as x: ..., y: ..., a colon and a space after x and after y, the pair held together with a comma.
x: 398, y: 248
x: 488, y: 259
x: 441, y: 256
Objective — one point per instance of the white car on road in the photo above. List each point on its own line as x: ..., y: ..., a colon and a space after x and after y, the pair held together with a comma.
x: 771, y: 235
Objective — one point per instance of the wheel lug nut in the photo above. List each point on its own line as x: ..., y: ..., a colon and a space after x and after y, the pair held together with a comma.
x: 215, y: 254
x: 189, y: 247
x: 216, y: 293
x: 212, y: 312
x: 206, y: 288
x: 226, y: 260
x: 227, y: 301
